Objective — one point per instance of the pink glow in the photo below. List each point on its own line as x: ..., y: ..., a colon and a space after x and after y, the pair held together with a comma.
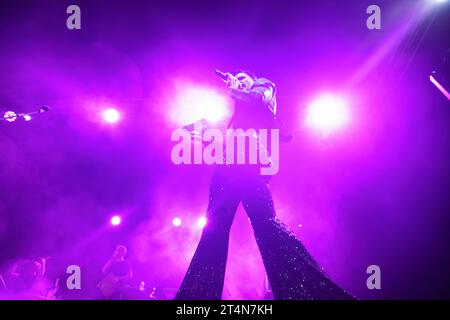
x: 193, y: 103
x: 328, y: 113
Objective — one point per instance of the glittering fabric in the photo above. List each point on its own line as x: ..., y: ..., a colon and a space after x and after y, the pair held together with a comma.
x: 292, y: 272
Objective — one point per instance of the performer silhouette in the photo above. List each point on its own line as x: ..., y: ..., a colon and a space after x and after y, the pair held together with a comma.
x: 292, y: 272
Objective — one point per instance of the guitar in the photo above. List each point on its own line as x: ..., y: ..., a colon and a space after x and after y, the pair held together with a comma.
x: 110, y: 285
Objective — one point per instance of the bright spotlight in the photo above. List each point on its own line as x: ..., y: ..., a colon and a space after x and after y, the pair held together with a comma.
x: 328, y: 113
x: 10, y: 116
x: 116, y: 220
x: 202, y: 222
x: 176, y: 222
x: 193, y: 103
x: 111, y: 115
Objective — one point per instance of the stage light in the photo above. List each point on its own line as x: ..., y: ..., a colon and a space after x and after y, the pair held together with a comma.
x: 27, y: 117
x: 176, y: 222
x: 116, y: 220
x: 10, y: 116
x: 439, y: 86
x: 193, y: 103
x: 326, y: 114
x: 436, y: 2
x: 202, y: 222
x: 111, y: 115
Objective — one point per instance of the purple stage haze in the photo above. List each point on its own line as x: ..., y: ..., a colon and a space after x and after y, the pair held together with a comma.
x: 373, y: 191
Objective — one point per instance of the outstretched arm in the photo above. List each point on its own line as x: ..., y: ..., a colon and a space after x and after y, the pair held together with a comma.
x: 261, y: 94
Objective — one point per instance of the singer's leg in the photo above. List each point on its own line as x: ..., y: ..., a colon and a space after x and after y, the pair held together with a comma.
x: 205, y: 276
x: 292, y: 272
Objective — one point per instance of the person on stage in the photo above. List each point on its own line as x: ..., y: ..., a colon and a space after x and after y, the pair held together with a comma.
x: 292, y: 272
x: 117, y: 274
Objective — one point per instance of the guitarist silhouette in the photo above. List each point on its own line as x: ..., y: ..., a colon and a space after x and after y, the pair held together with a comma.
x: 117, y: 275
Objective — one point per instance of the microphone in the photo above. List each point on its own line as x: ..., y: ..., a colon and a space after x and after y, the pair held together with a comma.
x: 44, y: 109
x: 11, y: 116
x: 221, y: 75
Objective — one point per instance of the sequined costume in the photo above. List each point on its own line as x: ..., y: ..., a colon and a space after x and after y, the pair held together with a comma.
x: 292, y: 272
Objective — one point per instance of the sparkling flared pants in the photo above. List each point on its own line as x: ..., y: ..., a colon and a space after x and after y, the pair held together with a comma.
x: 292, y: 272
